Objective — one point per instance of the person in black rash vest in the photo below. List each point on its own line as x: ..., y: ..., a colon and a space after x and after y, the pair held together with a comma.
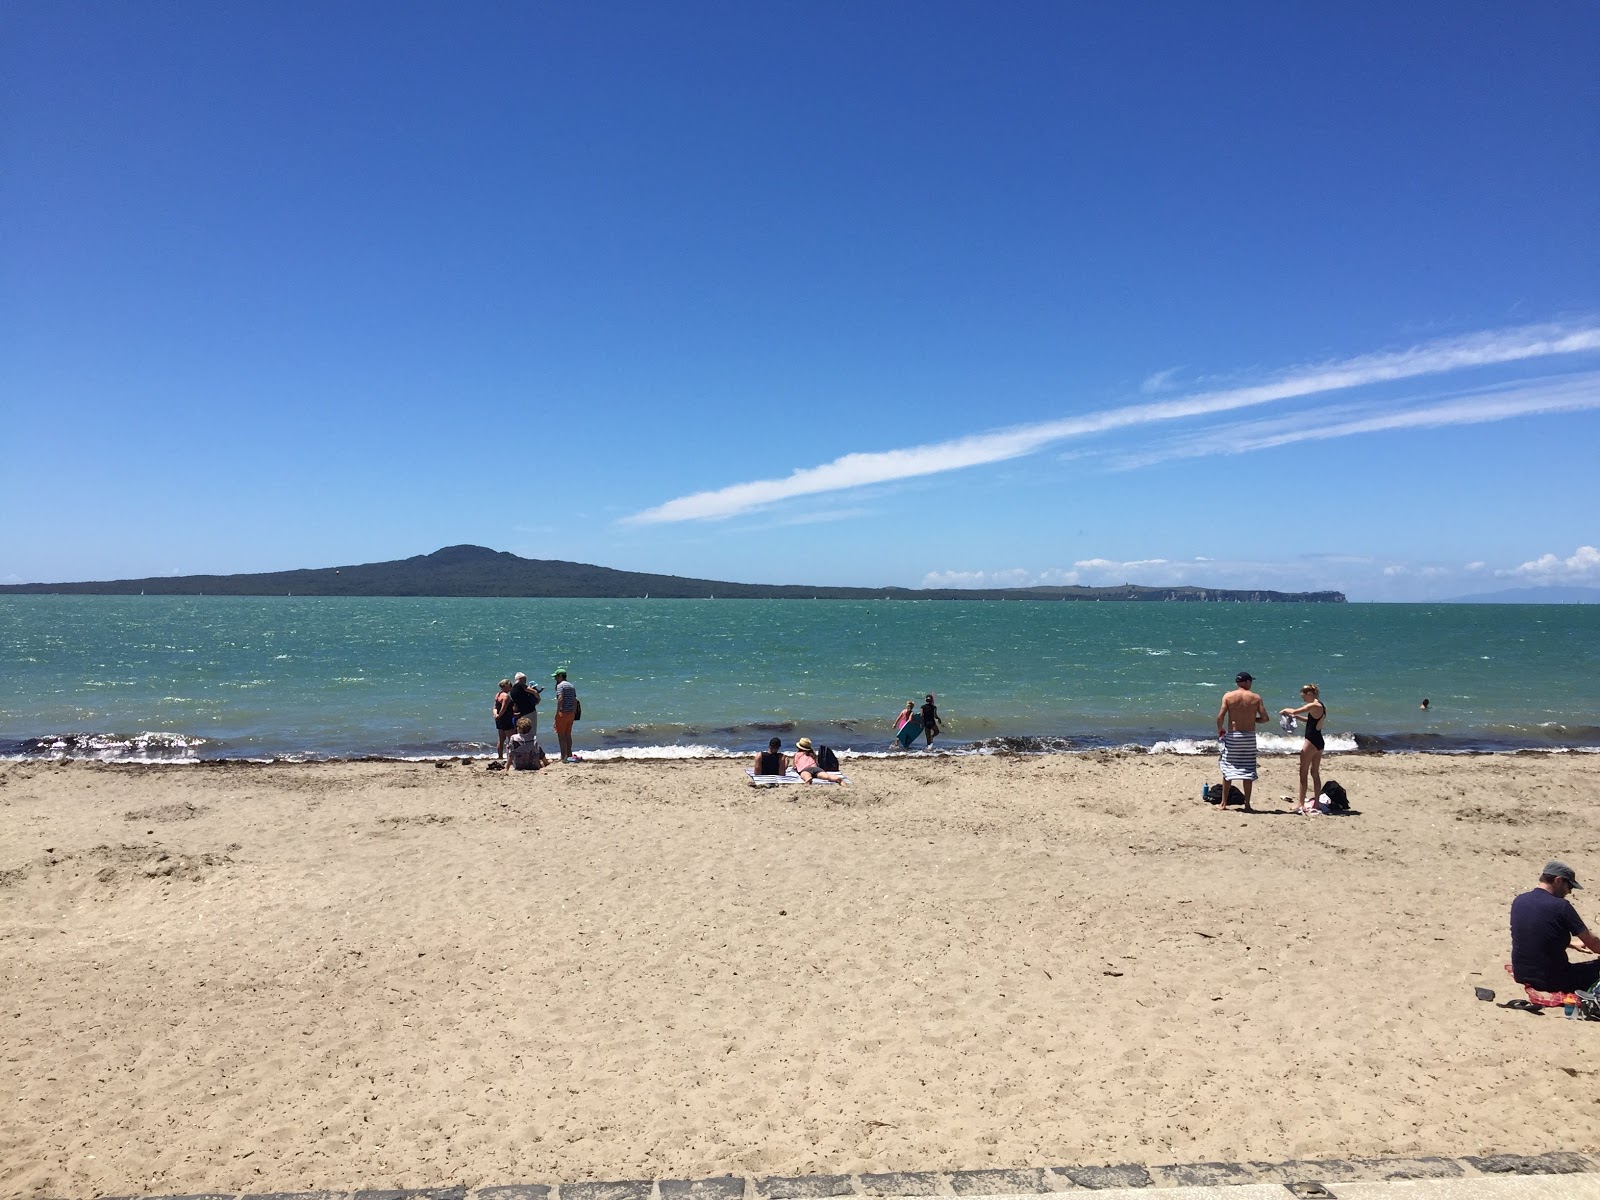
x: 1543, y: 924
x: 772, y: 761
x: 930, y: 719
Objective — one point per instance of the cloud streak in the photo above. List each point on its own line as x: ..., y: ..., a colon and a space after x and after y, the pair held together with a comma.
x: 862, y: 469
x: 1574, y: 393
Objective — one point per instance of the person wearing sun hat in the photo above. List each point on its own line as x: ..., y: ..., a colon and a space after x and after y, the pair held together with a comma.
x: 805, y: 764
x: 1543, y: 924
x: 566, y: 712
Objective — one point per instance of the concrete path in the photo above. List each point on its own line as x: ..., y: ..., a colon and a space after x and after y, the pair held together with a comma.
x: 1558, y: 1175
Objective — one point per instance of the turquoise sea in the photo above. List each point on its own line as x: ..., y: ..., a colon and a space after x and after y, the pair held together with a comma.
x: 287, y: 677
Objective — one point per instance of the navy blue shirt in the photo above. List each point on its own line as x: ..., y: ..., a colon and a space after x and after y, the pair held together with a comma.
x: 1541, y: 926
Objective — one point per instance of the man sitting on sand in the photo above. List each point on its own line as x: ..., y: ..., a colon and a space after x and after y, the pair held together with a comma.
x: 525, y: 752
x: 772, y: 760
x: 1240, y: 710
x: 1543, y: 923
x: 805, y: 765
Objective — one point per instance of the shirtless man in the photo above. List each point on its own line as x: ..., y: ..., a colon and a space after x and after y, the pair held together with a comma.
x: 1236, y: 730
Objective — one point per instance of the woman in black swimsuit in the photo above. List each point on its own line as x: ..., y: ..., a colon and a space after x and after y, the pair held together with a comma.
x: 1312, y: 713
x: 505, y: 721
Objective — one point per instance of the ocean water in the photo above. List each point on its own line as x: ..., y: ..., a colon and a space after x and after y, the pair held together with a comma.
x: 161, y: 678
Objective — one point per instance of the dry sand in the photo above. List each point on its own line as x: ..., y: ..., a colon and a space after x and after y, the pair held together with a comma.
x: 257, y: 978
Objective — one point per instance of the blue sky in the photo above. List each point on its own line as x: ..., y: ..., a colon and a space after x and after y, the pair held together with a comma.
x: 1241, y: 295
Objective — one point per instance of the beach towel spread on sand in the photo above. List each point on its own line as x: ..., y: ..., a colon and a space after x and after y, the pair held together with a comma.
x: 1239, y: 754
x: 790, y: 777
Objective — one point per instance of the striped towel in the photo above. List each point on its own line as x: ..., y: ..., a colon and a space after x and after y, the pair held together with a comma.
x: 1239, y: 755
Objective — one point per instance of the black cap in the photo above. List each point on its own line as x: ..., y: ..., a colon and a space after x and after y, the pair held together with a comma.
x: 1244, y: 677
x: 1557, y: 869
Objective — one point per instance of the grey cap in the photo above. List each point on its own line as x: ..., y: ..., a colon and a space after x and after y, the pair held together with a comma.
x: 1557, y: 869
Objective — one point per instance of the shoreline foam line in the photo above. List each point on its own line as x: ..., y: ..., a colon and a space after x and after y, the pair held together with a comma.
x: 1471, y: 1176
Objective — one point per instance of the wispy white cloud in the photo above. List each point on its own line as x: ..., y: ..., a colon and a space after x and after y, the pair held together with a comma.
x: 1005, y: 578
x: 1582, y: 566
x: 1361, y: 576
x: 1572, y: 393
x: 1355, y: 574
x: 1160, y: 381
x: 1103, y: 572
x: 862, y: 469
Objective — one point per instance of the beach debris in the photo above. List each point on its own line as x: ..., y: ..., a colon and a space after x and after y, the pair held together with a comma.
x: 183, y: 811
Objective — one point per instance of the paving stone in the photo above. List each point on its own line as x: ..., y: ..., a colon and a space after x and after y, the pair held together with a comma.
x: 1558, y: 1162
x: 804, y: 1187
x: 1124, y: 1175
x: 1407, y: 1168
x: 1206, y: 1174
x: 621, y: 1189
x: 723, y: 1187
x: 1021, y: 1181
x: 512, y: 1191
x: 901, y: 1183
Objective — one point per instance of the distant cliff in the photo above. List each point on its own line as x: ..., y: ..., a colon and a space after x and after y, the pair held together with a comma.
x: 477, y: 571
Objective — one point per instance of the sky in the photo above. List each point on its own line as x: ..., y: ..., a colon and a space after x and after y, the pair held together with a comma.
x: 1243, y: 295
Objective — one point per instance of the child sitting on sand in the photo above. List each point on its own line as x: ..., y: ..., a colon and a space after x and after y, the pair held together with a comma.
x: 525, y: 752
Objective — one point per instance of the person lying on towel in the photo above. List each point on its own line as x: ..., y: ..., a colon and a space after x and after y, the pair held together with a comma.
x: 805, y: 765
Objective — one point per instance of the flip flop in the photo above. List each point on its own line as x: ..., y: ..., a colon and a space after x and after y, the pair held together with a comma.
x: 1522, y: 1006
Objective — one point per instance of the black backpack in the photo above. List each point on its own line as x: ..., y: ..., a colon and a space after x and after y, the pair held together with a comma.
x: 1213, y: 794
x: 1338, y: 802
x: 827, y: 760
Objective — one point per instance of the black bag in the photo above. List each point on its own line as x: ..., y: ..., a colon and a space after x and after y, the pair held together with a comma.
x: 827, y: 760
x: 1338, y: 802
x: 1213, y: 794
x: 577, y: 710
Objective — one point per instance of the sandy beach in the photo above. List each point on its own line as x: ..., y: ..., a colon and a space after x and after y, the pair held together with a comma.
x: 267, y: 978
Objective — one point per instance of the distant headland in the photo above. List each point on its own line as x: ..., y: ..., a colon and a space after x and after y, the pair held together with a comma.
x: 478, y: 571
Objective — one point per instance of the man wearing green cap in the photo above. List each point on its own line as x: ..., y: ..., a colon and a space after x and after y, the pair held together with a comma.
x: 566, y: 713
x: 1543, y: 923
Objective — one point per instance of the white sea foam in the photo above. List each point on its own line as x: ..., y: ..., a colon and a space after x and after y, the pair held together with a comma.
x: 134, y: 748
x: 1266, y: 743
